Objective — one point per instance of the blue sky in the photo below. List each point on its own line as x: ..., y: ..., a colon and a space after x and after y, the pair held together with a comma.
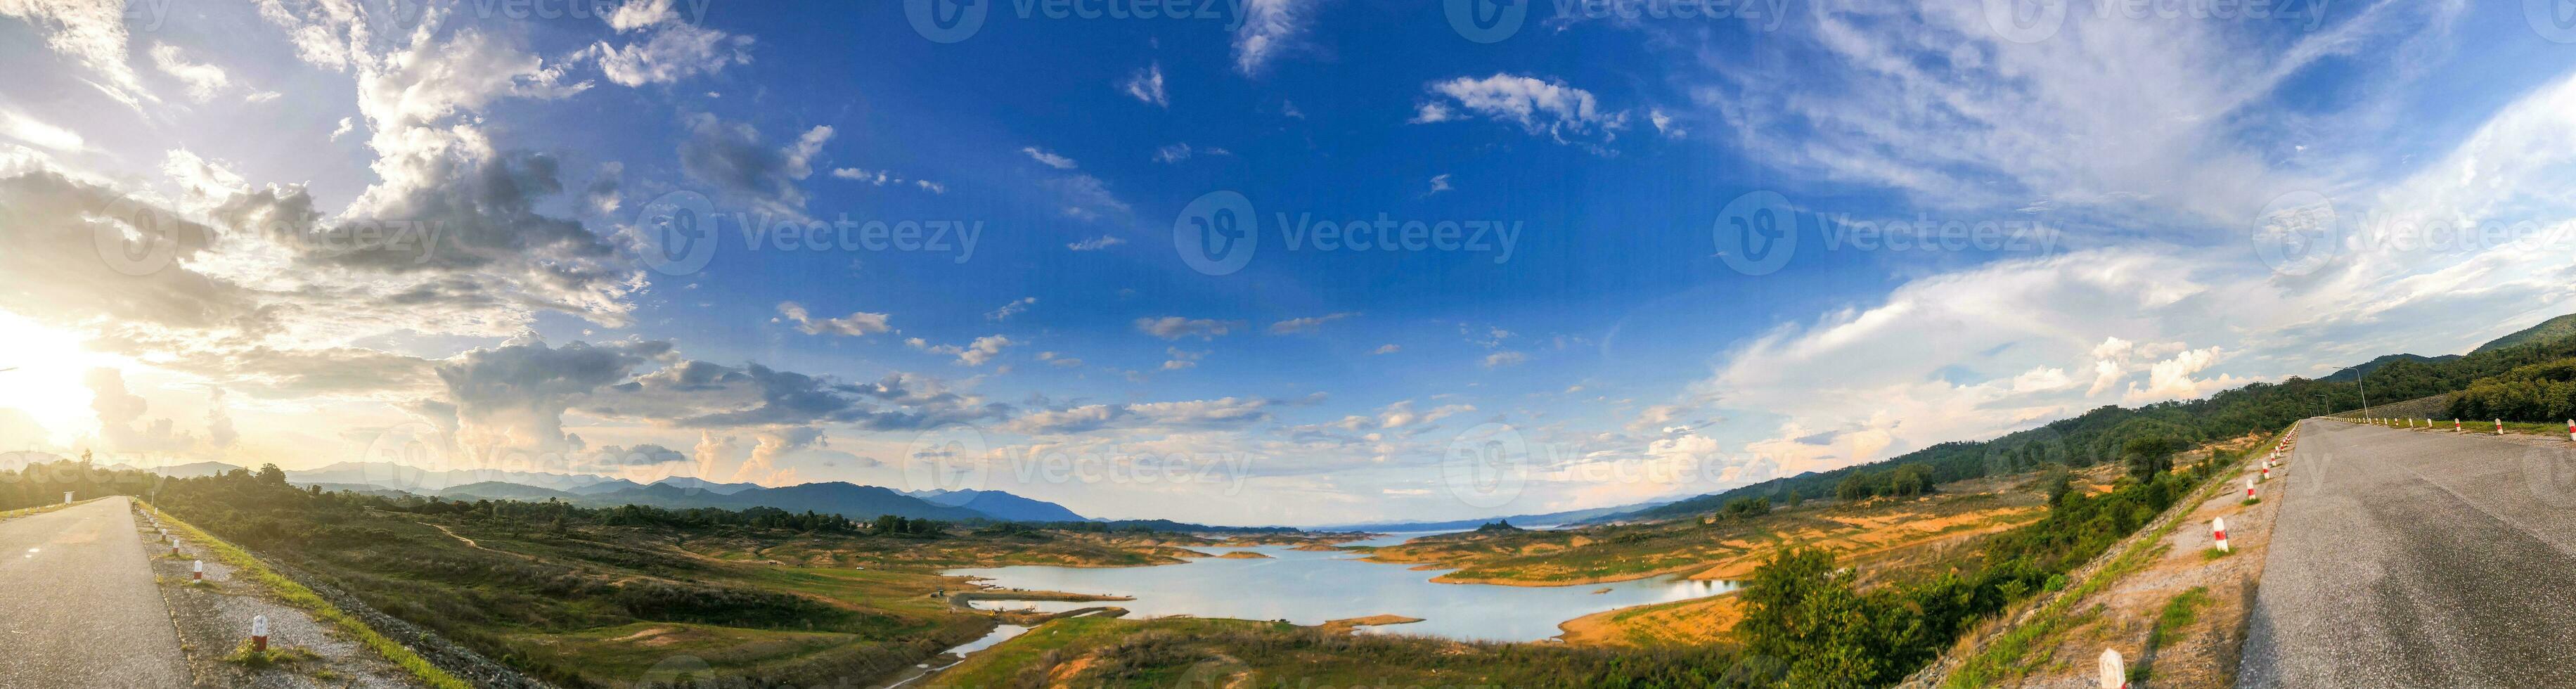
x: 2135, y: 176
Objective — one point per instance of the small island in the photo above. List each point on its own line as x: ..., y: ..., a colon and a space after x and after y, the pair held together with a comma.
x: 1503, y: 525
x: 1243, y: 555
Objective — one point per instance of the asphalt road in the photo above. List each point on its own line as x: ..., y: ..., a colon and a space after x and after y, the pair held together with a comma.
x: 2406, y: 559
x: 78, y: 607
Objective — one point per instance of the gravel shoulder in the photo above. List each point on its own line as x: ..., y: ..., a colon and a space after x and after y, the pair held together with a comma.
x: 213, y: 617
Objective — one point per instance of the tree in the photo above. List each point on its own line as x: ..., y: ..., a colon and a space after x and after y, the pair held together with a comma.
x: 2150, y: 456
x: 1855, y: 486
x: 271, y: 475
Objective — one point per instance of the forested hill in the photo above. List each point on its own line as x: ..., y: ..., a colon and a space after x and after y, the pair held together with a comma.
x: 2097, y: 435
x: 2551, y: 329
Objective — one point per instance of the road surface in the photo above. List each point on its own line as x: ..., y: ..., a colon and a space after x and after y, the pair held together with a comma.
x: 78, y: 607
x: 2409, y: 559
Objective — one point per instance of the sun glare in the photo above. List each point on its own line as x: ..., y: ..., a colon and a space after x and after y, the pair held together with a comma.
x: 46, y: 381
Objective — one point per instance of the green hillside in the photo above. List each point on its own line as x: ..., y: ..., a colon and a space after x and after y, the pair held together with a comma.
x: 2096, y: 436
x: 2551, y: 329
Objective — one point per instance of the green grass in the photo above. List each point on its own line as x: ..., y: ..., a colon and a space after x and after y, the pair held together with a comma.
x: 2213, y: 553
x: 297, y: 595
x: 33, y: 511
x: 2004, y: 656
x: 2178, y: 615
x: 242, y: 655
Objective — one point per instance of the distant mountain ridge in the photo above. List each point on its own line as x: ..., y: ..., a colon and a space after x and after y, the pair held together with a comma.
x: 678, y: 492
x: 2356, y: 372
x: 2411, y: 375
x: 1536, y: 521
x: 999, y: 504
x: 2547, y: 330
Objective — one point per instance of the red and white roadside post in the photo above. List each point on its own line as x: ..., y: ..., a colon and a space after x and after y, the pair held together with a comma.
x: 2218, y: 532
x: 2455, y: 425
x: 2267, y: 473
x: 2115, y: 674
x: 174, y: 546
x: 259, y: 633
x: 197, y: 570
x: 2249, y: 487
x: 2499, y: 426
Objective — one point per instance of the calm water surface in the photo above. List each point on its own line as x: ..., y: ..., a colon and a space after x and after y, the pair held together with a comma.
x: 1313, y: 587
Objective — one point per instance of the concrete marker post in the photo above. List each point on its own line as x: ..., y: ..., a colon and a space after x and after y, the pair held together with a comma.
x: 197, y: 570
x: 2499, y: 426
x: 174, y: 546
x: 259, y: 633
x: 2249, y: 487
x: 2218, y: 532
x: 2115, y: 674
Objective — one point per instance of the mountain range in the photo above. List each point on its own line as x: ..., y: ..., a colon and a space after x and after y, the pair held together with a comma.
x: 678, y: 492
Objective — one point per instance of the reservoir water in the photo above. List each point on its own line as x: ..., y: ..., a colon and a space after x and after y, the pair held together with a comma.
x: 1310, y: 587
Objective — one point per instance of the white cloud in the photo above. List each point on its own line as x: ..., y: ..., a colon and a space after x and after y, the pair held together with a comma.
x: 1386, y: 349
x: 731, y: 157
x: 675, y: 49
x: 89, y: 31
x: 1306, y: 325
x: 1269, y: 28
x: 1049, y: 159
x: 1087, y: 198
x: 1016, y: 307
x: 1501, y: 359
x: 1147, y: 85
x: 204, y: 81
x: 1563, y: 113
x: 1664, y: 123
x: 977, y: 353
x: 1095, y: 243
x: 883, y: 178
x: 1176, y: 327
x: 19, y: 126
x: 1182, y: 358
x: 857, y: 324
